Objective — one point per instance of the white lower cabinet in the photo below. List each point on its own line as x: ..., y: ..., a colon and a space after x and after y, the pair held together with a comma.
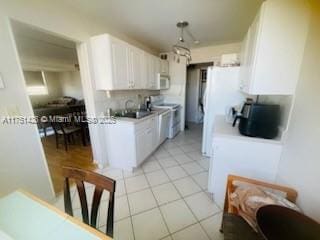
x: 144, y: 146
x: 242, y: 156
x: 129, y: 143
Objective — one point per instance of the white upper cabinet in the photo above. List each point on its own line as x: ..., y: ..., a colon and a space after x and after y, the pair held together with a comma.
x: 273, y: 48
x: 119, y: 66
x: 164, y: 67
x: 152, y: 72
x: 137, y: 66
x: 110, y: 63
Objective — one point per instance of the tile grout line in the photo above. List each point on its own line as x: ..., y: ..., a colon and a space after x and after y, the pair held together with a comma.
x: 162, y: 168
x: 197, y: 220
x: 130, y: 216
x: 158, y: 206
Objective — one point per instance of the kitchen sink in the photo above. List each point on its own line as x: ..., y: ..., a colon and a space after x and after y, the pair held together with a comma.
x: 134, y: 114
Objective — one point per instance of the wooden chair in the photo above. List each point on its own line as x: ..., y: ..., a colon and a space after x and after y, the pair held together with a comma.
x: 233, y: 226
x: 66, y: 129
x: 101, y: 183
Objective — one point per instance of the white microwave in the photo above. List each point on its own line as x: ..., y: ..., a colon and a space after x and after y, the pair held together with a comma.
x: 163, y: 81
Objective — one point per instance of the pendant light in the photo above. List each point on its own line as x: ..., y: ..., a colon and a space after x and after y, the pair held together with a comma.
x: 181, y: 49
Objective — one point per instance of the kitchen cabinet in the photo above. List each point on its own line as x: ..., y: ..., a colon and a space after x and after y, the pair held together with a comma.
x: 137, y: 66
x: 144, y: 144
x: 118, y: 65
x: 110, y: 63
x: 240, y: 155
x: 129, y: 143
x: 273, y: 48
x: 164, y: 67
x: 153, y: 66
x: 164, y: 123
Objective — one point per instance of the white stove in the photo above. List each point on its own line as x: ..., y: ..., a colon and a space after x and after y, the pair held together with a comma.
x: 175, y: 116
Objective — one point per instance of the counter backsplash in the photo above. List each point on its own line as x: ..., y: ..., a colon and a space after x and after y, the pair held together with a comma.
x: 117, y: 99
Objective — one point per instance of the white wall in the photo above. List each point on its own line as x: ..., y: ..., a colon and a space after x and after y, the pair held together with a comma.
x: 300, y: 163
x: 214, y: 52
x: 23, y: 163
x: 177, y: 91
x: 70, y: 83
x: 21, y: 154
x: 54, y: 90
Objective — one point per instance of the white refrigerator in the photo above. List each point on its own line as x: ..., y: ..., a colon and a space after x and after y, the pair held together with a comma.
x: 222, y: 92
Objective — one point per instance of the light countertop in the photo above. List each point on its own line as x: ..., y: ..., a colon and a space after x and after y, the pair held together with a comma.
x: 222, y: 128
x: 154, y: 113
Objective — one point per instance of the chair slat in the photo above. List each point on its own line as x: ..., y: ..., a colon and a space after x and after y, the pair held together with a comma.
x: 83, y: 201
x: 95, y: 205
x: 67, y: 197
x: 101, y: 183
x: 110, y: 218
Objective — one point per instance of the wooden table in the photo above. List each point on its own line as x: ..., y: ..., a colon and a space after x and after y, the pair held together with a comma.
x: 24, y: 216
x: 279, y: 223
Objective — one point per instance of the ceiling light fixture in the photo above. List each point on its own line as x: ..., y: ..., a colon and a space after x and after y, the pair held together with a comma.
x: 181, y: 48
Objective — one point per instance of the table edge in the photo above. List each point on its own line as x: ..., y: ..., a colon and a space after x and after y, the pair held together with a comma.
x: 69, y: 218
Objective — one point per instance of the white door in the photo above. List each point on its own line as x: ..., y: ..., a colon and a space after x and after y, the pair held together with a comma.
x: 120, y: 63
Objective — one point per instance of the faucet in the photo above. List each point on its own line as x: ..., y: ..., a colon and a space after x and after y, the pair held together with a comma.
x: 126, y: 104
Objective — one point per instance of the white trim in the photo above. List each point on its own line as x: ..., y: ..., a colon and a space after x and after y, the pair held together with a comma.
x: 96, y: 134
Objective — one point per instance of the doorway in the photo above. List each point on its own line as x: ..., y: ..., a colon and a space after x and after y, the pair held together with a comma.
x: 195, y: 90
x: 53, y: 84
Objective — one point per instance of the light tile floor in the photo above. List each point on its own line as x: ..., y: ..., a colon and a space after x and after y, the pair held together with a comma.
x: 164, y: 199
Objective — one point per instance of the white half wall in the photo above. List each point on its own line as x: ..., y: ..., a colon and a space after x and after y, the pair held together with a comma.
x: 300, y: 162
x: 22, y: 160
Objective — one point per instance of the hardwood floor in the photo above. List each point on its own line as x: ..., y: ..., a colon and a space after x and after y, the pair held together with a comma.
x: 76, y: 156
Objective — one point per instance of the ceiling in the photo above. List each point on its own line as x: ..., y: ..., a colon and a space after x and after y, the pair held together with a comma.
x: 152, y: 22
x: 40, y: 50
x: 22, y: 30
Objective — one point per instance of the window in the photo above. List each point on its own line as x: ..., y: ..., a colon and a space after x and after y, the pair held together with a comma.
x: 36, y: 82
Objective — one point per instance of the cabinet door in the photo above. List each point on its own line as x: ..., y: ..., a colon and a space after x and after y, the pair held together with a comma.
x: 120, y: 57
x: 244, y: 81
x: 164, y: 67
x: 157, y: 65
x: 143, y: 144
x: 151, y: 72
x: 136, y: 68
x: 250, y: 54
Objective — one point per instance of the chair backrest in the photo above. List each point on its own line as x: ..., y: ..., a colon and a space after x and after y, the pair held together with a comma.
x: 57, y: 123
x: 101, y: 183
x: 291, y: 194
